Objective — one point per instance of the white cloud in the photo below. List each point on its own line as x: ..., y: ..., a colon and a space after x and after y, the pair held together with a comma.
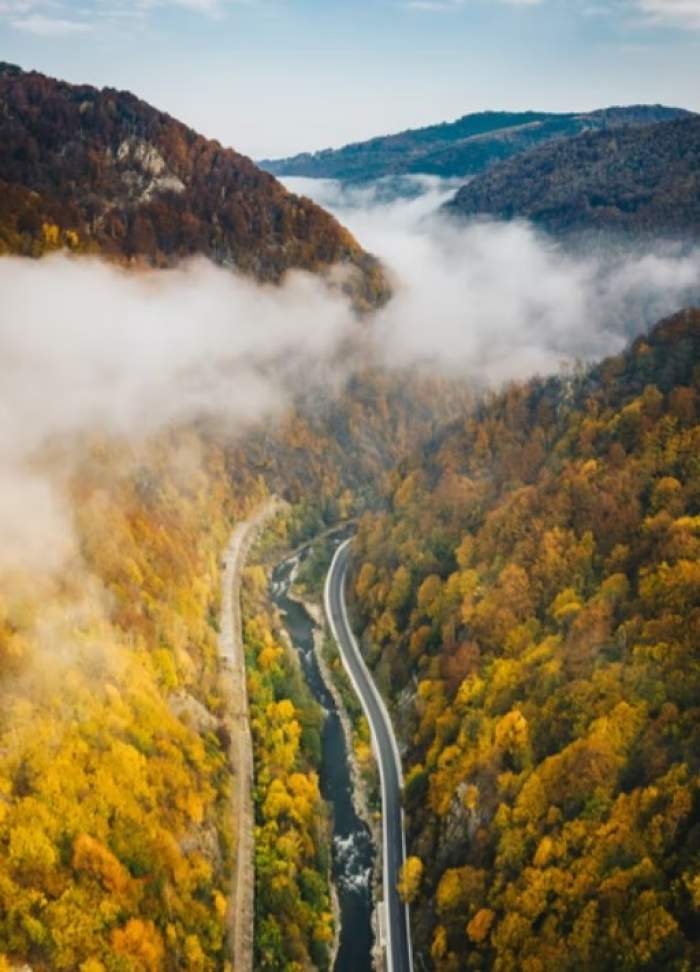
x: 432, y: 5
x: 44, y: 26
x: 60, y: 18
x: 438, y: 6
x: 197, y: 6
x: 88, y: 349
x: 496, y: 301
x: 678, y: 13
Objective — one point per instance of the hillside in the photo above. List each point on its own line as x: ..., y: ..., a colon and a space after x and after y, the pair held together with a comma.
x: 638, y: 180
x: 102, y: 171
x: 530, y: 600
x: 109, y: 673
x: 465, y: 147
x: 115, y: 839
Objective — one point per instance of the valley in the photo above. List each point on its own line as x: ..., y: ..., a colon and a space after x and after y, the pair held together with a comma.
x: 349, y: 542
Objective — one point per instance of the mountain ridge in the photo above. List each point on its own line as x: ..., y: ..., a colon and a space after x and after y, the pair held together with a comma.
x: 469, y: 145
x: 634, y: 180
x: 103, y: 171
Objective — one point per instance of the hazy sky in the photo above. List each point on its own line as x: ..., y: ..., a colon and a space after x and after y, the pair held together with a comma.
x: 271, y: 77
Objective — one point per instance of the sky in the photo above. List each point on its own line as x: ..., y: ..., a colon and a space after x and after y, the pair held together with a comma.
x: 274, y: 77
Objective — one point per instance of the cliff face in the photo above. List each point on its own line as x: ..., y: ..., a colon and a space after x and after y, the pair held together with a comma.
x: 102, y: 171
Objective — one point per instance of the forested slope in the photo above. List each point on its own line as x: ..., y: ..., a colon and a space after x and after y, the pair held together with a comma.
x: 637, y: 180
x: 330, y: 454
x: 115, y: 842
x: 101, y: 171
x: 115, y: 821
x: 531, y: 602
x: 465, y: 147
x: 116, y: 839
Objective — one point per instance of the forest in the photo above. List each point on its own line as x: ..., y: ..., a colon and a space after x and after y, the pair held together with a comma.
x: 639, y: 180
x: 528, y: 590
x: 466, y: 147
x: 531, y: 593
x: 109, y: 673
x: 525, y: 576
x: 294, y: 926
x: 101, y: 170
x: 114, y: 838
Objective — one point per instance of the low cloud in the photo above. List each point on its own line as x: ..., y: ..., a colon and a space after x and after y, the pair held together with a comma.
x: 495, y: 301
x: 88, y: 349
x: 86, y: 346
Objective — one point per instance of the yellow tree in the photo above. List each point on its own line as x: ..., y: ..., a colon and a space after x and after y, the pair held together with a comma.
x: 410, y: 879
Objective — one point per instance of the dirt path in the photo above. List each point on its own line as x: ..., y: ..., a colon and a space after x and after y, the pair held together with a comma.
x: 241, y: 899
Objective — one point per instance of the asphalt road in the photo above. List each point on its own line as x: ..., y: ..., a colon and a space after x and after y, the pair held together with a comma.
x: 399, y: 957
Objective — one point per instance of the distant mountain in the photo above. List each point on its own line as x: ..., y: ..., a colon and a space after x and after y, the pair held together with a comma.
x: 465, y: 147
x: 640, y: 179
x: 102, y: 171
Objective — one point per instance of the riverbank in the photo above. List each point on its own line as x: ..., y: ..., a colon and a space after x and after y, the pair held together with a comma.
x: 293, y: 835
x: 335, y: 901
x: 353, y: 845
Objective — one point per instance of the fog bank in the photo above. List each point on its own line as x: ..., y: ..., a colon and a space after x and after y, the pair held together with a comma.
x: 90, y: 349
x: 495, y: 301
x: 87, y: 348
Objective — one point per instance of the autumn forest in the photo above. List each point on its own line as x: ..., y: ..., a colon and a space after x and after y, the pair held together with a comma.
x: 524, y: 567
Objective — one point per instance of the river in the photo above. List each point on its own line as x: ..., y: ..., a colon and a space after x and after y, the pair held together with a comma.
x: 352, y: 845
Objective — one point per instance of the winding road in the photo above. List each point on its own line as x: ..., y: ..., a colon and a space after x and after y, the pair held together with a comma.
x: 397, y: 935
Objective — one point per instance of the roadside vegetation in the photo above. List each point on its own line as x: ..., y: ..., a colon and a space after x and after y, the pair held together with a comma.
x: 293, y: 923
